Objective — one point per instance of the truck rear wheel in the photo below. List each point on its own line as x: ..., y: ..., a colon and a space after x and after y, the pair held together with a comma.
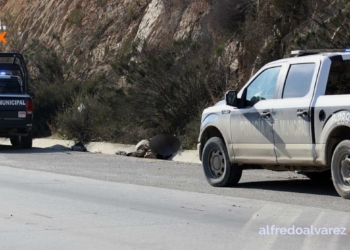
x: 340, y: 167
x: 15, y: 141
x: 27, y: 141
x: 217, y: 166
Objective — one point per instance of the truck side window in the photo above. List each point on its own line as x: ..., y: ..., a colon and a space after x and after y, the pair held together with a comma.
x: 339, y: 78
x: 263, y: 87
x: 299, y: 80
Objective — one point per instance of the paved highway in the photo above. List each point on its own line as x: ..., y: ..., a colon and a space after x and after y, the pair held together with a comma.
x: 57, y: 199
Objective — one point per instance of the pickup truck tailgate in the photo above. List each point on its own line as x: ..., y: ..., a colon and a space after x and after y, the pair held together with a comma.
x: 13, y: 110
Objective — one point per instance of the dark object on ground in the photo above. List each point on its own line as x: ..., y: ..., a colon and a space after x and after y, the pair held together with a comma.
x: 79, y: 146
x: 121, y: 153
x: 159, y: 147
x: 165, y: 146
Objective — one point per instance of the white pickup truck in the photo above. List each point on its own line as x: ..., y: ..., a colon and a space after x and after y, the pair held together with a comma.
x: 292, y: 115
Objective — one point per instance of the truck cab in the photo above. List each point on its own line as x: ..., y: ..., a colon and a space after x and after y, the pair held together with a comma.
x: 16, y: 103
x: 292, y: 115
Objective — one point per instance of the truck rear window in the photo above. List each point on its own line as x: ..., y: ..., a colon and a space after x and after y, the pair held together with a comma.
x: 10, y: 86
x: 339, y: 78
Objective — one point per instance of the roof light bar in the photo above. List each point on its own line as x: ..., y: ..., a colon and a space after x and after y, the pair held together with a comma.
x: 317, y: 51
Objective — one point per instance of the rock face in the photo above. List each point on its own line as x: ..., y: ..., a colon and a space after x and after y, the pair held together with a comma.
x: 91, y: 31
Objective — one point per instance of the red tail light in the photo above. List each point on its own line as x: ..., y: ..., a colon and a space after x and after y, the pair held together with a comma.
x: 29, y: 107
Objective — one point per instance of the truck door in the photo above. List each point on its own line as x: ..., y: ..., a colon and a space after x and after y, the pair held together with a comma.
x: 292, y: 114
x: 251, y: 125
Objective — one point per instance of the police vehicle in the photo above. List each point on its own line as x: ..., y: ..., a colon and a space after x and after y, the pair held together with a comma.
x: 16, y: 103
x: 292, y: 115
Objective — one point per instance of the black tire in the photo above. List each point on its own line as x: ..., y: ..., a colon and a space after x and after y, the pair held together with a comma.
x: 319, y: 176
x: 340, y: 167
x: 27, y: 141
x: 15, y: 141
x: 215, y: 160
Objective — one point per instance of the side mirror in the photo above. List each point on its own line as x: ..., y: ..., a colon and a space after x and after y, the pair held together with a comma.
x: 32, y: 95
x: 231, y: 98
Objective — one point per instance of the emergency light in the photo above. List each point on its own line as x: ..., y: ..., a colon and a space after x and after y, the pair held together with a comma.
x: 317, y: 51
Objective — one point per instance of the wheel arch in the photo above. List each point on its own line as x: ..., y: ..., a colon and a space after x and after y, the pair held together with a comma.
x: 336, y: 135
x: 207, y: 133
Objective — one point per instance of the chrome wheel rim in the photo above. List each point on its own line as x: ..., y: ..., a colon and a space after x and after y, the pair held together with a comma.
x: 217, y: 164
x: 345, y: 170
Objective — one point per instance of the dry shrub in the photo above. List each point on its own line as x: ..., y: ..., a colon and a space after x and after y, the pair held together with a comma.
x: 95, y: 122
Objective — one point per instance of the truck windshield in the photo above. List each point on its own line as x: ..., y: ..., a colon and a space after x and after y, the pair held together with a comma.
x: 10, y: 86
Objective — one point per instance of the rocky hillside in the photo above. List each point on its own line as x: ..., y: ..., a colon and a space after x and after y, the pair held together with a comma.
x: 92, y: 31
x: 167, y: 58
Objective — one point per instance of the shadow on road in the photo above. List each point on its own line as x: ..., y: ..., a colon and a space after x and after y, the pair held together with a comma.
x: 294, y: 186
x: 6, y: 149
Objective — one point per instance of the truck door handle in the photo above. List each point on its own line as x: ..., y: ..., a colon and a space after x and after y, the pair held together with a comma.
x: 266, y: 114
x: 302, y: 112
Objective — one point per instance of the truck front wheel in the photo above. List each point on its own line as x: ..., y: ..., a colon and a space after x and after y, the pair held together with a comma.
x: 27, y: 141
x: 340, y: 167
x: 217, y: 166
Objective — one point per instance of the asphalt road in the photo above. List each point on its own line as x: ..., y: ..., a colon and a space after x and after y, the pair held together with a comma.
x: 129, y: 203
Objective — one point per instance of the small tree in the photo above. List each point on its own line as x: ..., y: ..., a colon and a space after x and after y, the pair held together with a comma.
x: 166, y: 85
x: 170, y: 87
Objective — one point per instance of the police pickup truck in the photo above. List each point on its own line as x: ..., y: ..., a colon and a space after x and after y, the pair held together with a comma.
x: 292, y: 115
x: 16, y: 104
